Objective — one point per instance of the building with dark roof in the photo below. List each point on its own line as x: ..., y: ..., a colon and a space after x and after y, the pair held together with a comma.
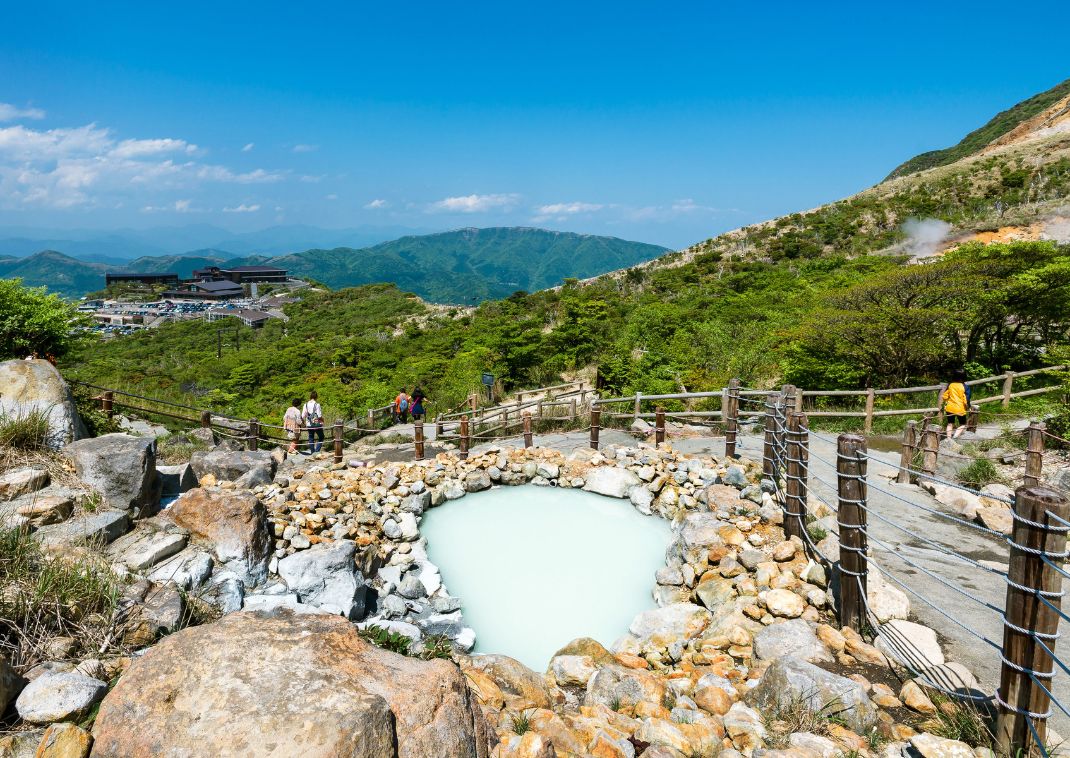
x: 169, y: 279
x: 242, y: 274
x: 207, y: 290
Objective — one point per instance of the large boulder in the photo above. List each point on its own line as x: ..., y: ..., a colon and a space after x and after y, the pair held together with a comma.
x: 10, y: 683
x: 325, y: 576
x: 257, y: 466
x: 676, y: 623
x: 610, y: 481
x: 514, y: 679
x: 235, y: 525
x: 36, y: 386
x: 789, y: 682
x: 790, y: 638
x: 120, y: 467
x: 96, y: 528
x: 285, y: 685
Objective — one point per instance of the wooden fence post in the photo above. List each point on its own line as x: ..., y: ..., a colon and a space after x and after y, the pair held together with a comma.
x: 438, y: 426
x: 659, y: 425
x: 1038, y: 544
x: 906, y: 452
x: 731, y: 419
x: 527, y: 429
x: 252, y: 441
x: 851, y: 486
x: 638, y: 401
x: 930, y: 449
x: 338, y: 441
x: 371, y: 419
x: 1008, y: 385
x: 418, y: 439
x: 971, y: 418
x: 106, y: 403
x: 463, y: 440
x: 870, y: 398
x: 206, y: 419
x: 538, y: 410
x: 1034, y: 454
x: 798, y: 454
x: 596, y: 418
x: 572, y: 409
x: 768, y: 452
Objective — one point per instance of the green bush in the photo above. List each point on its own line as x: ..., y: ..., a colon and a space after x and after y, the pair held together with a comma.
x: 979, y: 473
x: 33, y: 321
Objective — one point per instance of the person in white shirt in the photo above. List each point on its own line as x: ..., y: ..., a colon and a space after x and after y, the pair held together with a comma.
x: 312, y: 415
x: 291, y: 422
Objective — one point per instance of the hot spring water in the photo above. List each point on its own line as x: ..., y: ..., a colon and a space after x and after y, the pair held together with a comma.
x: 536, y: 567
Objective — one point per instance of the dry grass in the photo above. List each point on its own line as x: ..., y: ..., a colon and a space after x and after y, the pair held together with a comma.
x: 59, y: 467
x: 42, y: 598
x: 27, y: 432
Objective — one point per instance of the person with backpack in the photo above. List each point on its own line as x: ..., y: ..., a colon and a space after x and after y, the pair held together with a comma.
x: 401, y: 407
x: 312, y: 415
x: 956, y: 399
x: 291, y: 422
x: 418, y: 400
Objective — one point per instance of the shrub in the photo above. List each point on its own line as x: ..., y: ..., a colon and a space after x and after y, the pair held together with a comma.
x: 386, y: 639
x: 436, y: 646
x: 521, y: 723
x: 35, y: 321
x: 979, y: 473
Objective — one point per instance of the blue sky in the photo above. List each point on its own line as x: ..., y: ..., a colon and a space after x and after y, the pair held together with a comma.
x: 663, y: 122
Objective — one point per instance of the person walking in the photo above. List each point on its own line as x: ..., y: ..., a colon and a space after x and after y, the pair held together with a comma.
x: 418, y: 400
x: 401, y: 407
x: 956, y: 399
x: 291, y: 422
x: 312, y: 415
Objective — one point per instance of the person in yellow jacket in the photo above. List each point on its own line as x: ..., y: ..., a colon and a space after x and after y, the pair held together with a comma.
x: 956, y: 400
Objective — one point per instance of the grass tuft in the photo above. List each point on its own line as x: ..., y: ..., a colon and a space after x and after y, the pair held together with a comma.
x: 26, y: 432
x: 979, y: 473
x: 955, y: 720
x: 521, y: 723
x: 386, y: 639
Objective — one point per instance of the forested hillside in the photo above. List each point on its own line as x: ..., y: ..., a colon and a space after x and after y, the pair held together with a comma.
x: 826, y: 299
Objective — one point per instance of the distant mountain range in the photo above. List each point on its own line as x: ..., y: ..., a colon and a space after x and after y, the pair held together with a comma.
x: 462, y: 266
x: 116, y: 246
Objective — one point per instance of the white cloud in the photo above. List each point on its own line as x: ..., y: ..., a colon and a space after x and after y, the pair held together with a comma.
x: 331, y: 196
x: 10, y: 112
x: 305, y: 148
x: 312, y: 178
x: 88, y: 166
x: 376, y: 204
x: 475, y: 203
x: 568, y: 209
x: 243, y: 208
x: 678, y: 208
x: 179, y: 206
x: 248, y: 146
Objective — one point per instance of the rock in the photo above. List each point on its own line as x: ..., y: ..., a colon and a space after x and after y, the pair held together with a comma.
x: 230, y: 466
x: 59, y: 697
x: 29, y: 386
x: 784, y: 603
x: 477, y: 481
x: 10, y: 683
x: 819, y: 746
x: 997, y: 517
x: 572, y: 670
x: 788, y: 680
x: 952, y: 676
x: 736, y: 476
x: 160, y: 610
x: 713, y: 591
x: 931, y: 746
x: 411, y: 587
x: 197, y: 694
x: 64, y: 740
x: 886, y: 601
x: 177, y: 479
x: 99, y: 528
x: 42, y: 509
x: 22, y: 481
x: 325, y: 576
x: 226, y: 591
x: 235, y: 525
x: 794, y: 638
x: 661, y: 627
x: 713, y: 698
x: 915, y: 699
x: 585, y: 646
x: 188, y: 569
x: 610, y: 481
x: 912, y: 645
x: 641, y: 428
x: 785, y: 551
x: 515, y: 679
x: 121, y: 467
x: 720, y: 496
x: 146, y: 546
x: 614, y: 684
x: 743, y: 725
x: 642, y: 499
x: 272, y: 605
x: 548, y: 470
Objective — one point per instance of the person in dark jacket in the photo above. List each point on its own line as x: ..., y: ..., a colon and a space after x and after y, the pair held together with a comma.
x: 418, y: 401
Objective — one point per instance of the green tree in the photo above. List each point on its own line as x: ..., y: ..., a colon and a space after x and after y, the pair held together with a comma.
x: 33, y: 321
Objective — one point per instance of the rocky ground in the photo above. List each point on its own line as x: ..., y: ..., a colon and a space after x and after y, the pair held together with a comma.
x: 308, y: 562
